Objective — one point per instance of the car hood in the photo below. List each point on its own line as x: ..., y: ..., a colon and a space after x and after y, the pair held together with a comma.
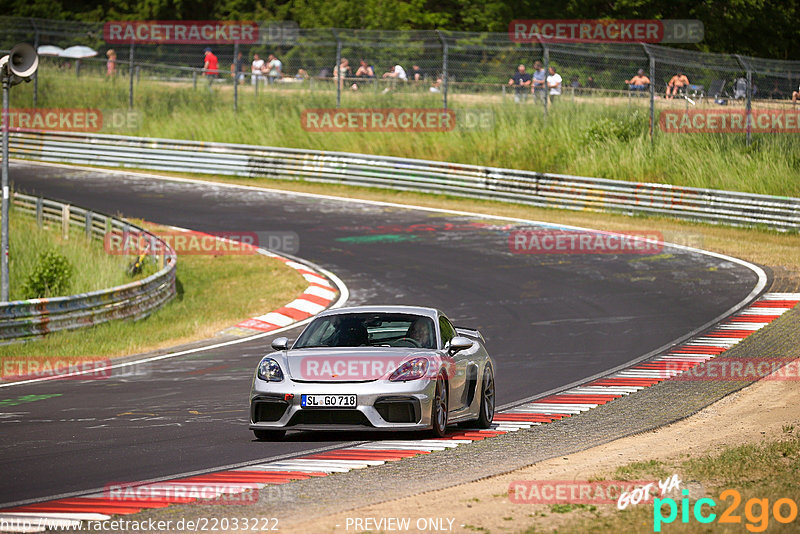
x: 349, y: 364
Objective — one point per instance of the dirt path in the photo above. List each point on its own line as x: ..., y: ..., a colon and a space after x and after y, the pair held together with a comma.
x: 749, y: 416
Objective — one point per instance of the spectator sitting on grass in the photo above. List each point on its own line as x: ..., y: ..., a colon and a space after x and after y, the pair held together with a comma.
x: 363, y: 71
x: 591, y: 84
x: 640, y: 82
x: 344, y: 68
x: 521, y: 81
x: 676, y: 83
x: 795, y: 96
x: 575, y: 83
x: 416, y: 73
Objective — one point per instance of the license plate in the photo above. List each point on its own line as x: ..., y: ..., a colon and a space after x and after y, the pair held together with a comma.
x: 328, y: 401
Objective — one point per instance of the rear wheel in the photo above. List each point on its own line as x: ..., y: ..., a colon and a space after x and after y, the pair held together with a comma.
x: 268, y: 435
x: 487, y: 398
x: 439, y: 408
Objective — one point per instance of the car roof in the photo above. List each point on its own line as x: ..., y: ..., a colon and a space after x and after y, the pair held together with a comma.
x: 411, y: 310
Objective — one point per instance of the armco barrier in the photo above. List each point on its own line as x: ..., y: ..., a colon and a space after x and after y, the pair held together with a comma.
x: 24, y: 319
x: 539, y: 189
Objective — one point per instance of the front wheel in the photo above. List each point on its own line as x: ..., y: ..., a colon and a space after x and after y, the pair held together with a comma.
x: 439, y: 409
x: 487, y: 398
x: 268, y: 435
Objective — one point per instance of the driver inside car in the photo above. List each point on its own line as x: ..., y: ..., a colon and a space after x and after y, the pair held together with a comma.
x: 421, y: 332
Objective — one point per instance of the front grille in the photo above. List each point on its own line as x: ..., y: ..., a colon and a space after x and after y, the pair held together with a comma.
x: 329, y: 417
x: 267, y: 410
x: 398, y: 410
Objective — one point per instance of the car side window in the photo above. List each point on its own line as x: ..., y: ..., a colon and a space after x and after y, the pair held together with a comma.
x: 447, y: 330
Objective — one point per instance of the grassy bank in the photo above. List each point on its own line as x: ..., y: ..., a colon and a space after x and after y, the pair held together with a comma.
x: 92, y: 269
x: 214, y: 292
x: 764, y: 472
x: 590, y: 137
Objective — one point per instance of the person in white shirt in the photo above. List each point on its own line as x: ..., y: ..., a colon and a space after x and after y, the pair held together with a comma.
x: 554, y: 83
x: 397, y: 72
x: 255, y: 69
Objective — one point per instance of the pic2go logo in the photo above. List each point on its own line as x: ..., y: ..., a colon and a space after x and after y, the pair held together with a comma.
x: 756, y: 511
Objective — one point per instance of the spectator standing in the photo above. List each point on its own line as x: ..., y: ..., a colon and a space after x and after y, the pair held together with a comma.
x: 676, y: 83
x: 210, y: 66
x: 237, y: 68
x: 255, y: 69
x: 111, y: 64
x: 539, y: 79
x: 274, y: 69
x: 554, y: 84
x: 521, y: 81
x: 640, y: 82
x: 591, y: 84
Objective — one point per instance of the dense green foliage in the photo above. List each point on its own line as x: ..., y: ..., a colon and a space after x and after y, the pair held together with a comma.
x: 763, y: 28
x: 51, y: 277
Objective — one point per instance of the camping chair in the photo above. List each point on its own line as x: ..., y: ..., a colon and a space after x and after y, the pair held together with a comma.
x: 717, y: 88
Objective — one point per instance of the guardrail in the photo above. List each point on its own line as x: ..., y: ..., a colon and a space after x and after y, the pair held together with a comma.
x: 509, y: 185
x: 23, y: 319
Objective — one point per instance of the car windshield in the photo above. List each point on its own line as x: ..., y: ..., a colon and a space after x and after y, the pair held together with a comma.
x: 369, y: 330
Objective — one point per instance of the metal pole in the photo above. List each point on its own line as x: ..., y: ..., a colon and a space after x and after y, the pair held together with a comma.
x: 546, y: 56
x: 445, y: 50
x: 130, y: 69
x: 748, y: 96
x: 4, y: 292
x: 235, y: 77
x: 652, y: 91
x: 35, y: 74
x: 338, y: 69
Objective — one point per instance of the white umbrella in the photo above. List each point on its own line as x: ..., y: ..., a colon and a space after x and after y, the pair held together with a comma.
x: 78, y: 52
x: 50, y: 50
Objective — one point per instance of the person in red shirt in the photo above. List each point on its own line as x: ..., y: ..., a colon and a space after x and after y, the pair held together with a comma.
x: 211, y: 65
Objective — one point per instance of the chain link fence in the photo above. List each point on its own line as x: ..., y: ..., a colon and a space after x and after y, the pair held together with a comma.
x: 440, y: 64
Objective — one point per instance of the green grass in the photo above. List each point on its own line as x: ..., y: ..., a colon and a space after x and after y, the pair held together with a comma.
x: 214, y: 292
x: 768, y: 470
x: 93, y: 269
x: 601, y: 137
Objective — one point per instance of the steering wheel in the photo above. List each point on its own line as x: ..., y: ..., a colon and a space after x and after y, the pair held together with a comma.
x: 413, y: 342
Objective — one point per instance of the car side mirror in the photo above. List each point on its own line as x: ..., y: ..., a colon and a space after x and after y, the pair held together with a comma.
x: 280, y: 343
x: 458, y: 344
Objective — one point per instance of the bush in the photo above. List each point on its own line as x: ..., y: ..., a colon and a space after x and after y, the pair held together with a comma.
x: 621, y: 129
x: 51, y: 277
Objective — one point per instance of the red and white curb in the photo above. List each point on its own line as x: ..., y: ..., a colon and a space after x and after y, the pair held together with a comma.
x: 318, y: 296
x: 98, y: 507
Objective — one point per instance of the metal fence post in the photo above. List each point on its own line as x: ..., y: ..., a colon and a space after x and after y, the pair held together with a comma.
x: 194, y: 79
x: 652, y: 59
x: 4, y: 239
x: 87, y: 224
x: 235, y: 77
x: 65, y: 222
x: 748, y: 98
x: 338, y: 68
x: 39, y: 211
x: 35, y: 74
x: 130, y: 72
x: 445, y: 51
x: 546, y: 57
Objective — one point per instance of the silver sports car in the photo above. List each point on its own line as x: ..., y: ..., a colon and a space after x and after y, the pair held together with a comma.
x: 374, y: 367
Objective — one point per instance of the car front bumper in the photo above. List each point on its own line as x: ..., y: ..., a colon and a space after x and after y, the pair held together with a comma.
x: 381, y: 405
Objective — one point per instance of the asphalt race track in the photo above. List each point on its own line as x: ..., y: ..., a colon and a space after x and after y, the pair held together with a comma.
x: 548, y: 320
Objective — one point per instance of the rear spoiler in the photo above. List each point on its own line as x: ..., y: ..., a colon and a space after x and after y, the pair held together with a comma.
x: 470, y: 332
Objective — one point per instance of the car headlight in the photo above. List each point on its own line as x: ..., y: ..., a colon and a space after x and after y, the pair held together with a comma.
x: 410, y: 370
x: 270, y: 371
